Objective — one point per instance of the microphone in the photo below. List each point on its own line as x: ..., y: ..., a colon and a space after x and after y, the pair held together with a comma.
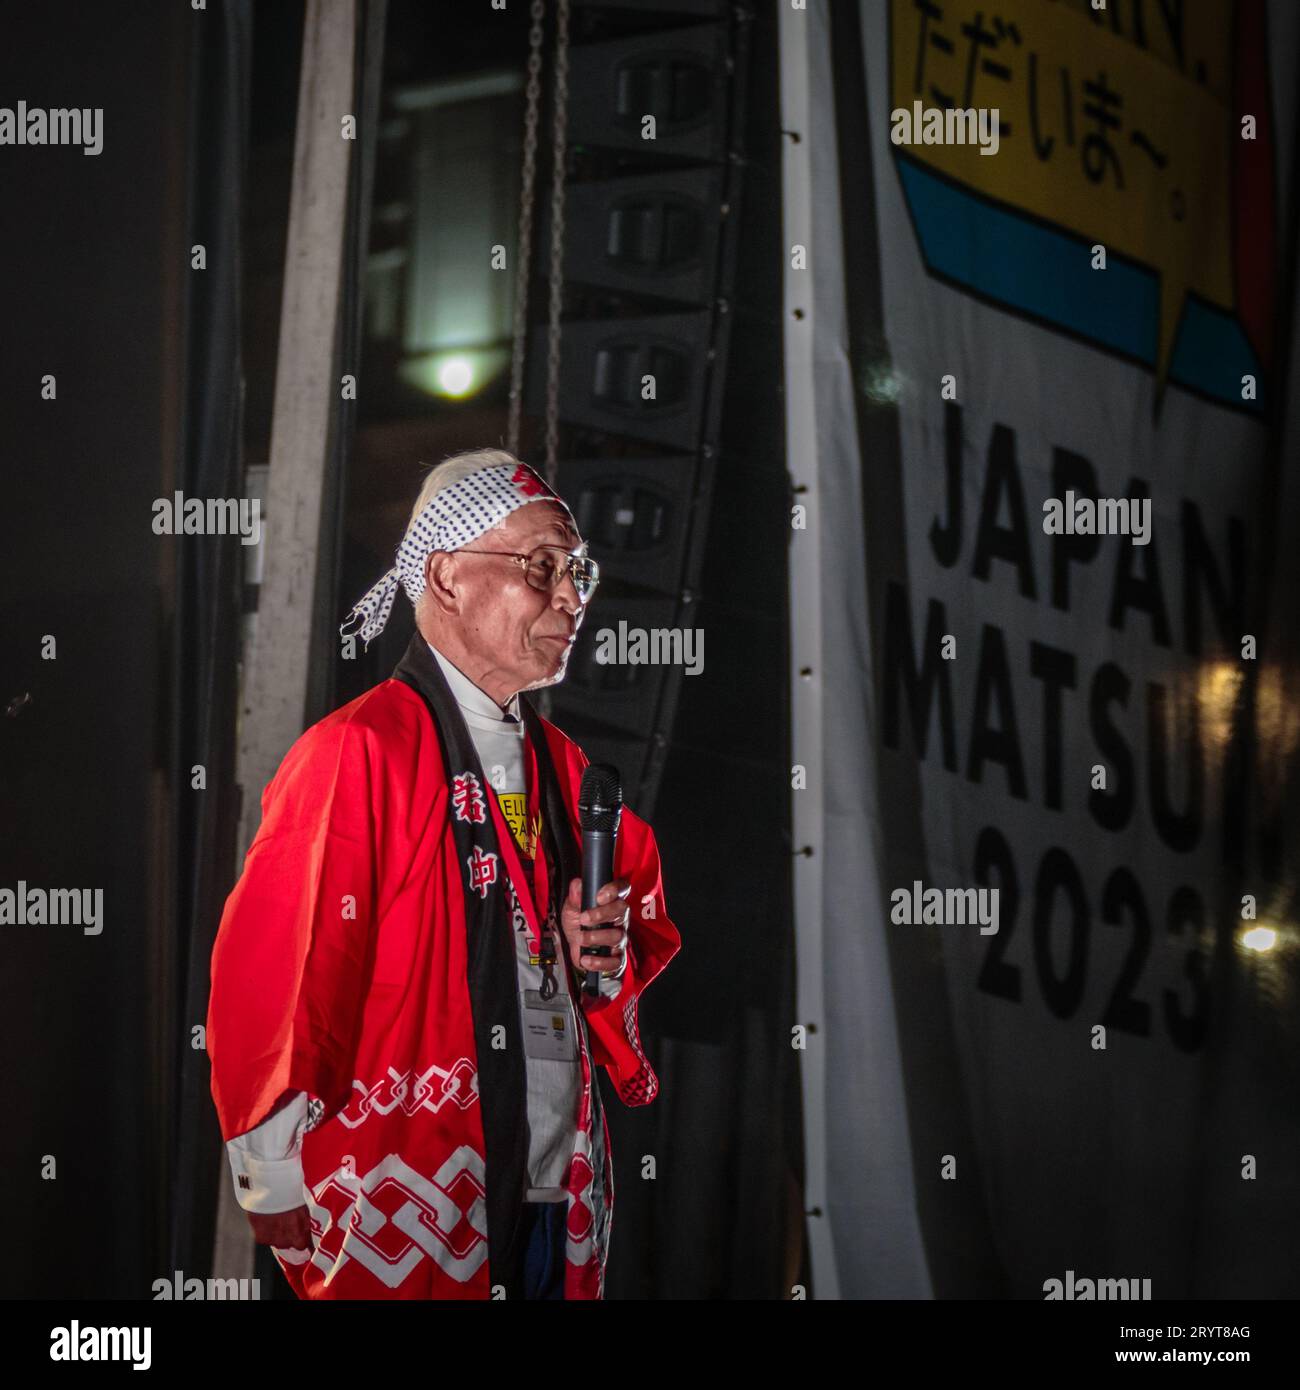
x: 600, y: 804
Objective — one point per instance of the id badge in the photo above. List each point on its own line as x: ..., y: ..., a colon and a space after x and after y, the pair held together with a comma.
x: 548, y: 1027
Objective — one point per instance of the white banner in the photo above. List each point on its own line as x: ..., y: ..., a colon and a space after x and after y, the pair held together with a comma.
x: 1032, y: 387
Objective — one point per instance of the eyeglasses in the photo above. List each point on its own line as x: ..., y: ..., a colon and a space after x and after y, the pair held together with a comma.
x: 545, y: 568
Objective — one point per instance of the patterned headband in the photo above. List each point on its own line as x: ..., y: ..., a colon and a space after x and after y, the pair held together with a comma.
x: 453, y: 517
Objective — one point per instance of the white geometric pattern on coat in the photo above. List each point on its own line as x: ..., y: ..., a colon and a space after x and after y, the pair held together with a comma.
x: 458, y: 1083
x: 393, y: 1217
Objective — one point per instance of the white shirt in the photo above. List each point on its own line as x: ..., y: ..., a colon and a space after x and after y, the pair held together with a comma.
x: 266, y: 1161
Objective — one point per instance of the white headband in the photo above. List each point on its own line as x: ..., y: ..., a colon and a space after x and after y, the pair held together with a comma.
x: 452, y: 518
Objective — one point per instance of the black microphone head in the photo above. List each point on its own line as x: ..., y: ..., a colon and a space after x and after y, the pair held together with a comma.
x: 600, y: 800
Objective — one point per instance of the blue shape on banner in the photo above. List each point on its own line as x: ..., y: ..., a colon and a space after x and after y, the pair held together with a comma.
x: 1046, y: 274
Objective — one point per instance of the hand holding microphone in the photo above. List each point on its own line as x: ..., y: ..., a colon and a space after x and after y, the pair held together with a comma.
x: 595, y: 946
x: 597, y: 936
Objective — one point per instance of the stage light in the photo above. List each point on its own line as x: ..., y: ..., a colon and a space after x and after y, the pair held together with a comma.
x: 455, y: 376
x: 1259, y: 939
x: 455, y: 373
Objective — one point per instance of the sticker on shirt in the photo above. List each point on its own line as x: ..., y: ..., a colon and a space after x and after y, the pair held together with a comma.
x: 514, y: 807
x: 548, y: 1027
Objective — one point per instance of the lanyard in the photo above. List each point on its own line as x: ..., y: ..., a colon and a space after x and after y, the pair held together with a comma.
x: 541, y: 944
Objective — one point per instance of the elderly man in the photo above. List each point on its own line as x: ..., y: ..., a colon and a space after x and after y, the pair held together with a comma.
x: 403, y: 1051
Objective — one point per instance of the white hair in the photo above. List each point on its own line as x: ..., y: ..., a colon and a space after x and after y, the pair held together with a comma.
x: 453, y: 469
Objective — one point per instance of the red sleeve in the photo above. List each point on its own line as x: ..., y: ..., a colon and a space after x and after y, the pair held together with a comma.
x: 653, y: 940
x: 293, y: 952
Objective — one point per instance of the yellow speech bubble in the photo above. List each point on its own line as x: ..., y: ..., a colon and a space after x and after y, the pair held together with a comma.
x: 1123, y: 137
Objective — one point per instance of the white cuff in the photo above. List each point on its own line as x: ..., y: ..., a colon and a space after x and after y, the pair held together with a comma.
x: 266, y: 1184
x: 267, y: 1161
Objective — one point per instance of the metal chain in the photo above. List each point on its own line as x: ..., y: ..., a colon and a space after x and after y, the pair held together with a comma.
x: 525, y: 249
x: 558, y: 143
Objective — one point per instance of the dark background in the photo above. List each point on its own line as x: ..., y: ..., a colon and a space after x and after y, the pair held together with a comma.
x: 165, y: 381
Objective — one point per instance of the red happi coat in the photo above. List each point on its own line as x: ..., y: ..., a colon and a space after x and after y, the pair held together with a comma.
x: 344, y: 966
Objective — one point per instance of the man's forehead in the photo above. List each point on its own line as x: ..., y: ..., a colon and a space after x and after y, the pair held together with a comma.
x: 550, y: 523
